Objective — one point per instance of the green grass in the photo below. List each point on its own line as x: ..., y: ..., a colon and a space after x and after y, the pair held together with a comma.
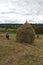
x: 10, y: 30
x: 13, y: 53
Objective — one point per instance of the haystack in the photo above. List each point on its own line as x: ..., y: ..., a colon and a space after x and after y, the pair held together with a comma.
x: 25, y: 34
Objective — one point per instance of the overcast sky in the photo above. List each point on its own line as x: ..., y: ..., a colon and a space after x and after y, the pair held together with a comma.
x: 18, y: 11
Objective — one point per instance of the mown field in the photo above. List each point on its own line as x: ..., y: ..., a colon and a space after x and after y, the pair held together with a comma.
x: 13, y: 53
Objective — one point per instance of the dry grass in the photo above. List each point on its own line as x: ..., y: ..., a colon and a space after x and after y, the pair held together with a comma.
x: 25, y: 34
x: 13, y: 53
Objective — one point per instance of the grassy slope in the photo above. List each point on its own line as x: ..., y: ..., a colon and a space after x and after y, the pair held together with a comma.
x: 13, y: 53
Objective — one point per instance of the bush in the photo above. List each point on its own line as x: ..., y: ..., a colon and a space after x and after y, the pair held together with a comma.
x: 37, y: 36
x: 25, y: 34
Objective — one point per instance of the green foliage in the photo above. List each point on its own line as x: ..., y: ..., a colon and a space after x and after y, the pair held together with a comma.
x: 3, y: 30
x: 37, y: 27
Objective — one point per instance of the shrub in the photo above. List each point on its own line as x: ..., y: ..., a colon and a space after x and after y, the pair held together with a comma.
x: 37, y: 36
x: 25, y: 34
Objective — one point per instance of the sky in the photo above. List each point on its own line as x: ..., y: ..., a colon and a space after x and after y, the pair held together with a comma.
x: 18, y: 11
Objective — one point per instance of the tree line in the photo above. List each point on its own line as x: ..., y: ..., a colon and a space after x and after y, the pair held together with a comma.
x: 37, y: 27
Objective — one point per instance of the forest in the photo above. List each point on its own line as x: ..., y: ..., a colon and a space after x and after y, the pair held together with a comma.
x: 13, y: 27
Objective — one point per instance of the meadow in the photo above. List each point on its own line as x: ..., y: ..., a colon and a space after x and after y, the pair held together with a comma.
x: 13, y: 53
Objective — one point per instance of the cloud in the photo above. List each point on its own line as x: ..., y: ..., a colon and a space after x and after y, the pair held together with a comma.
x: 24, y: 7
x: 20, y: 10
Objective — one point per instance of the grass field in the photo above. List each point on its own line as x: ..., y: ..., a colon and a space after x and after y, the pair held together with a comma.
x: 13, y: 53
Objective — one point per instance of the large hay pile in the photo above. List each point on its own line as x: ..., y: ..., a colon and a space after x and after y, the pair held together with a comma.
x: 25, y: 34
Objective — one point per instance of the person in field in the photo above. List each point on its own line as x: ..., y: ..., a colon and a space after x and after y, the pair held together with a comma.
x: 7, y: 35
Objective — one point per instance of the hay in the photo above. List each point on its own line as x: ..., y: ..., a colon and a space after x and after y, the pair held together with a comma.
x: 25, y: 34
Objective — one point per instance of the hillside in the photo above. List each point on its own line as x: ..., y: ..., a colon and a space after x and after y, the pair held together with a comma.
x: 13, y: 53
